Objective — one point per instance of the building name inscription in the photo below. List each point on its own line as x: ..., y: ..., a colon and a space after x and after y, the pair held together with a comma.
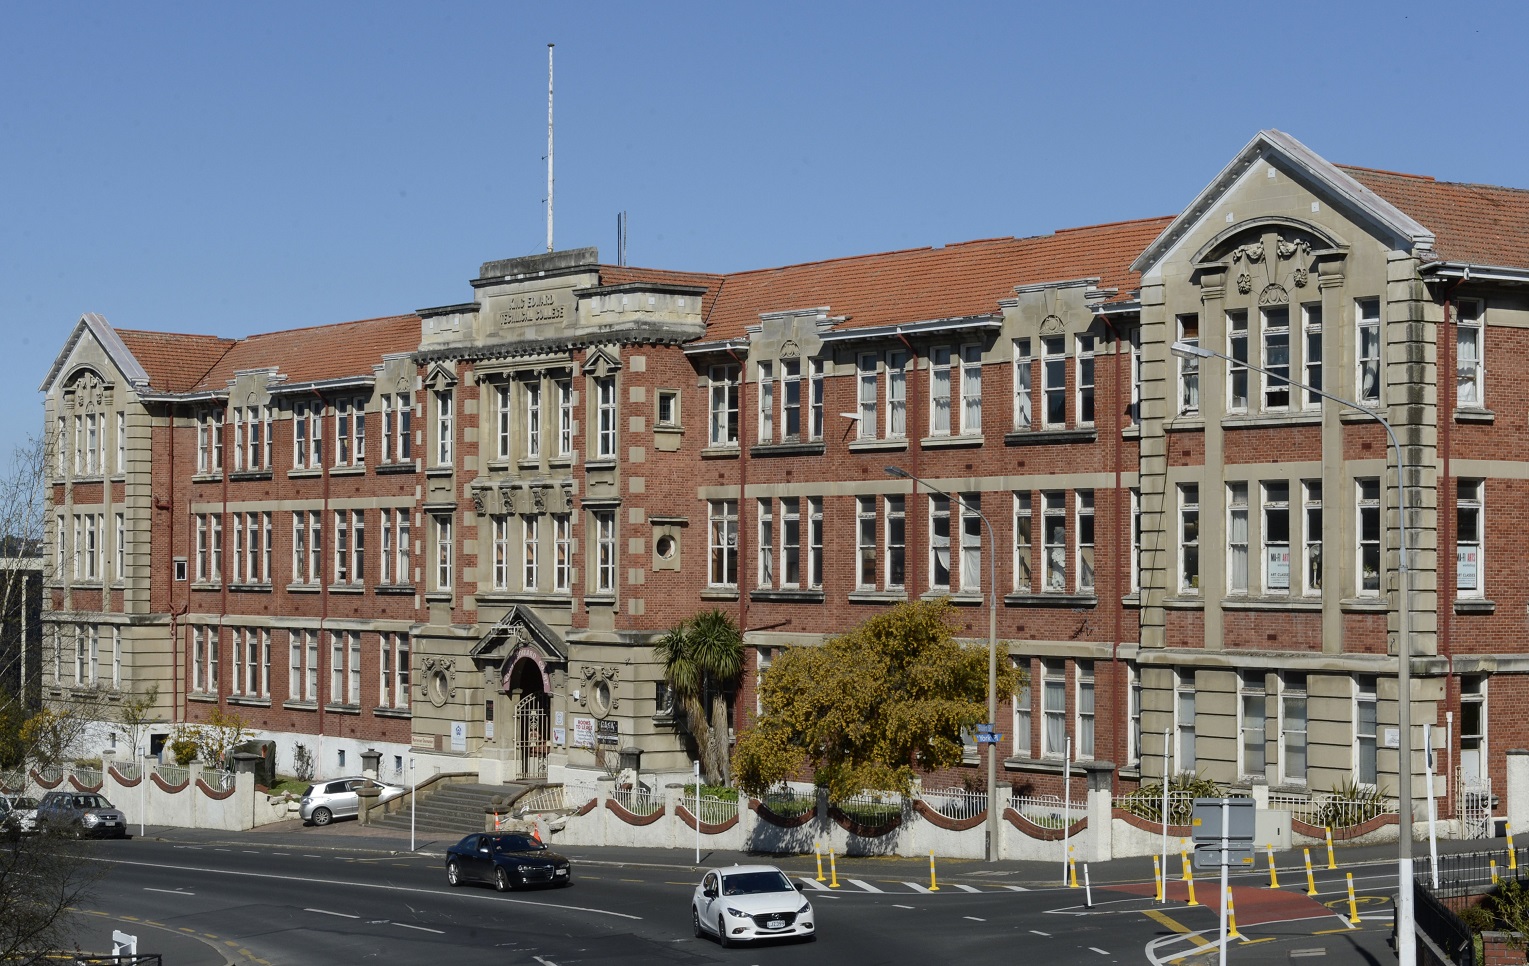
x: 537, y: 307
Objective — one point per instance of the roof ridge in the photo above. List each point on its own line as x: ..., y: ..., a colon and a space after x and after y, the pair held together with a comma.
x: 1110, y: 224
x: 330, y: 325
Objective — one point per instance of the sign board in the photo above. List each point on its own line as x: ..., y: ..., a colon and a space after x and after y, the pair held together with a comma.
x: 583, y: 732
x: 557, y: 719
x: 1209, y: 836
x: 609, y: 732
x: 1277, y: 568
x: 1393, y: 737
x: 990, y: 738
x: 984, y: 729
x: 459, y: 736
x: 560, y: 736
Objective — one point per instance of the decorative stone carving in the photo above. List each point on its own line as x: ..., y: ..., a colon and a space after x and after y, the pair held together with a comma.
x: 1252, y: 252
x: 1274, y: 294
x: 1053, y: 325
x: 439, y: 680
x: 1244, y: 283
x: 790, y: 350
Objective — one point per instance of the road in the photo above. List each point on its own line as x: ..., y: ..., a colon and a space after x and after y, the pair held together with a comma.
x: 245, y: 900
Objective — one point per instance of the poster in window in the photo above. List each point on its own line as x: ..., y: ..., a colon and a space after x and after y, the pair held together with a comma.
x: 1468, y: 559
x: 1279, y: 568
x: 583, y: 732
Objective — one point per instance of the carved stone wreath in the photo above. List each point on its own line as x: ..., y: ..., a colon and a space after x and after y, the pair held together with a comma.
x: 439, y: 680
x: 603, y: 680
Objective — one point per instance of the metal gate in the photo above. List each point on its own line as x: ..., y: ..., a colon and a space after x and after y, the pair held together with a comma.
x: 1474, y: 806
x: 532, y: 736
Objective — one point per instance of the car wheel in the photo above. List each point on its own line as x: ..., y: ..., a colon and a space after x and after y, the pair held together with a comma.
x: 322, y: 816
x: 453, y: 873
x: 695, y: 923
x: 501, y: 879
x: 722, y: 939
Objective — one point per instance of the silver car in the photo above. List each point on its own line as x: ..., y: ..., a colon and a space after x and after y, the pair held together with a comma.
x: 743, y: 903
x: 326, y: 801
x: 18, y: 814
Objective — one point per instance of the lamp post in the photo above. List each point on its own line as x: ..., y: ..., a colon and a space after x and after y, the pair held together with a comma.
x: 1406, y: 937
x: 992, y: 652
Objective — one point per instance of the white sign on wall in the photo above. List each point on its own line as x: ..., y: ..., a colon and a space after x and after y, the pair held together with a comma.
x: 459, y: 736
x: 1278, y: 568
x: 583, y: 732
x: 560, y: 736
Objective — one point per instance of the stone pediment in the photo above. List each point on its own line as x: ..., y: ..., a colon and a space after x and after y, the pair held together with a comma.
x: 519, y: 631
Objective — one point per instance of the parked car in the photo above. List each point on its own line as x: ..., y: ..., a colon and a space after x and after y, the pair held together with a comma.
x: 18, y: 814
x: 82, y: 813
x: 742, y: 903
x: 326, y: 801
x: 508, y: 860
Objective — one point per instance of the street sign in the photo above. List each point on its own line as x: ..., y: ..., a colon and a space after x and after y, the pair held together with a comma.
x: 1216, y: 847
x: 984, y: 729
x: 991, y: 738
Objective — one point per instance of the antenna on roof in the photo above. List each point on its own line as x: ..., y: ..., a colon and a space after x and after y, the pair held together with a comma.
x: 621, y: 238
x: 549, y: 146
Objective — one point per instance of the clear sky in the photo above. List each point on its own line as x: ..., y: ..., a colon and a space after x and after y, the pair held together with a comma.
x: 226, y: 169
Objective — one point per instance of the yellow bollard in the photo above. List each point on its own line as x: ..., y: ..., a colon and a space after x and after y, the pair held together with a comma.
x: 1157, y: 877
x: 1231, y: 916
x: 1332, y: 863
x: 1189, y: 880
x: 818, y: 854
x: 1072, y: 864
x: 933, y: 887
x: 1495, y: 880
x: 833, y: 869
x: 1311, y: 880
x: 1512, y: 855
x: 1353, y: 906
x: 1273, y: 879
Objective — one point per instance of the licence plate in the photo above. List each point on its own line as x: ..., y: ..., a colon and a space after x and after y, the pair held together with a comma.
x: 775, y: 924
x: 561, y: 872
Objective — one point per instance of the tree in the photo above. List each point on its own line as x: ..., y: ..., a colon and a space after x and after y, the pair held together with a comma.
x: 135, y: 713
x: 219, y: 735
x: 866, y: 708
x: 703, y: 660
x: 42, y: 878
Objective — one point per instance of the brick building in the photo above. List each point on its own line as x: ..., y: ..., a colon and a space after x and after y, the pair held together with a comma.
x: 455, y: 534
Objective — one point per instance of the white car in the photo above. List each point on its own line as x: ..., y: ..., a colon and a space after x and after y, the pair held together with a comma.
x: 742, y: 903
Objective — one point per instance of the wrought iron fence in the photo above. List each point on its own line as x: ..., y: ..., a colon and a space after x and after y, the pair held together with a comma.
x: 219, y: 779
x: 172, y: 774
x: 1436, y: 920
x: 87, y: 775
x: 1326, y: 810
x: 713, y: 809
x: 1464, y: 874
x: 872, y: 808
x: 956, y: 803
x: 1048, y: 811
x: 637, y: 800
x: 13, y: 780
x: 1150, y: 806
x: 788, y: 802
x: 127, y: 768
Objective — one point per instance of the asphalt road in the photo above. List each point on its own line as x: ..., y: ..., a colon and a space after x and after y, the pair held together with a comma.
x: 316, y: 899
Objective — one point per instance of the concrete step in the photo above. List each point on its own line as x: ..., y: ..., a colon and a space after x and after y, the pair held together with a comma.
x: 451, y: 808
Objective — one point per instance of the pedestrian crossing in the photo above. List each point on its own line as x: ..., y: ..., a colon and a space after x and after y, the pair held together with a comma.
x: 861, y: 885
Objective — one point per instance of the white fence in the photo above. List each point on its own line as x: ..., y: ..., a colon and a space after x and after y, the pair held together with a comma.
x: 1049, y: 811
x: 960, y: 804
x: 1331, y: 811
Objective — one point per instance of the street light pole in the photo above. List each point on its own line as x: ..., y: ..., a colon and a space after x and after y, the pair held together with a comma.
x: 1406, y: 936
x: 992, y: 652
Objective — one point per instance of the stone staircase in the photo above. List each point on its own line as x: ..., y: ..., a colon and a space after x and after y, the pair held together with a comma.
x: 450, y: 809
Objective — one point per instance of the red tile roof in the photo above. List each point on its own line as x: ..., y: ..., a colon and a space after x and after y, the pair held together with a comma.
x: 1478, y: 223
x: 318, y: 353
x: 174, y: 361
x: 921, y: 284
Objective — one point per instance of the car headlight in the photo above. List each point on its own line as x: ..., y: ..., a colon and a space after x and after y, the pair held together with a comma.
x: 735, y: 913
x: 90, y: 819
x: 806, y: 908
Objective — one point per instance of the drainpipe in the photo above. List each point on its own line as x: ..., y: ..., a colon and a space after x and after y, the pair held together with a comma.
x: 1122, y: 526
x: 1447, y: 589
x: 910, y: 519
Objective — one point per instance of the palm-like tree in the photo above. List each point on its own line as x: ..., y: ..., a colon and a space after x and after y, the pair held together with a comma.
x: 703, y: 660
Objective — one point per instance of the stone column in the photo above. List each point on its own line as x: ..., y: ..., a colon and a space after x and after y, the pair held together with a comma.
x: 1518, y: 789
x: 1101, y: 802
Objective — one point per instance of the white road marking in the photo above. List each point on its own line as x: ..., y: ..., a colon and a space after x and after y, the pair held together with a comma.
x: 544, y: 962
x: 369, y: 885
x: 1298, y: 953
x: 404, y: 925
x: 966, y: 888
x: 974, y: 919
x: 1101, y: 952
x: 173, y: 892
x: 916, y: 887
x: 326, y: 912
x: 1016, y: 888
x: 1039, y: 933
x: 861, y: 883
x: 899, y: 905
x: 814, y: 884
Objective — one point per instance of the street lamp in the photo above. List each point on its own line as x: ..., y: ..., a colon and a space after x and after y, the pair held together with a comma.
x: 992, y: 652
x: 1406, y: 937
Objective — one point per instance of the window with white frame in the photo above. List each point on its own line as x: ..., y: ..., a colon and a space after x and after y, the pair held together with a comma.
x: 204, y: 659
x: 530, y: 550
x: 897, y: 395
x: 1053, y: 708
x: 397, y: 420
x: 92, y: 634
x: 1023, y: 527
x: 95, y: 534
x: 1311, y: 324
x: 866, y: 378
x: 1469, y: 535
x: 1085, y: 530
x: 1084, y: 671
x: 1085, y: 390
x: 723, y: 392
x: 766, y: 380
x: 605, y: 551
x: 1252, y: 708
x: 310, y: 643
x: 119, y: 548
x: 562, y: 552
x: 895, y: 507
x: 564, y: 388
x: 970, y: 506
x: 345, y: 668
x: 120, y: 466
x: 1189, y: 538
x: 722, y: 542
x: 1184, y: 723
x: 1237, y: 369
x: 209, y: 440
x: 307, y: 434
x: 1133, y: 710
x: 1292, y: 727
x: 1133, y: 411
x: 395, y: 569
x: 1276, y: 537
x: 252, y: 548
x: 504, y: 420
x: 939, y: 391
x: 763, y: 658
x: 791, y: 542
x: 791, y: 399
x: 1311, y: 535
x: 500, y: 527
x: 1054, y: 542
x: 766, y: 543
x: 1367, y: 513
x: 252, y: 437
x: 605, y: 417
x: 1023, y: 721
x: 1365, y: 721
x: 307, y: 544
x: 532, y: 393
x: 393, y: 676
x: 1135, y: 540
x: 61, y: 448
x: 865, y: 542
x: 1189, y: 365
x: 349, y: 547
x: 444, y: 422
x: 1023, y: 403
x: 61, y: 546
x: 1367, y: 350
x: 252, y: 663
x: 815, y: 542
x: 971, y: 389
x: 1237, y: 538
x: 1469, y: 342
x: 1276, y: 357
x: 209, y: 547
x: 350, y: 431
x: 116, y: 656
x: 441, y: 526
x: 939, y: 542
x: 1053, y: 381
x: 1474, y: 722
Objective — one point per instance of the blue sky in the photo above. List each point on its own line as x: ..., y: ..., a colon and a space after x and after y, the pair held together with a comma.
x: 211, y: 168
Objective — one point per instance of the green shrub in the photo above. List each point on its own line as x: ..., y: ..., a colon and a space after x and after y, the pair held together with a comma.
x: 1147, y: 801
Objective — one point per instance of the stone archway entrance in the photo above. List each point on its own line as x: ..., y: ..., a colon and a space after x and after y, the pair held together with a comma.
x: 532, y: 736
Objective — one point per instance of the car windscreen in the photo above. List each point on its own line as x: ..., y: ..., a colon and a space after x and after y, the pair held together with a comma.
x: 91, y: 801
x: 517, y: 843
x: 750, y: 883
x: 24, y: 803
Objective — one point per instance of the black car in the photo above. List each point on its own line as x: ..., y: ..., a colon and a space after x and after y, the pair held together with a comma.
x: 80, y: 813
x: 507, y: 859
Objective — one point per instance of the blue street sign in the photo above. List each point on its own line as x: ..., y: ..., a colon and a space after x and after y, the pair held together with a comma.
x: 991, y: 738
